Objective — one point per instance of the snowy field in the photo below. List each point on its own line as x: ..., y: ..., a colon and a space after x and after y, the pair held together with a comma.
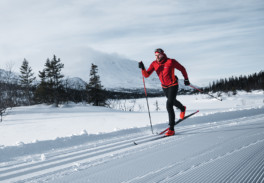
x: 224, y: 142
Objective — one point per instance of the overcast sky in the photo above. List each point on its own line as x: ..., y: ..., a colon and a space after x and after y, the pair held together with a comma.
x: 211, y: 38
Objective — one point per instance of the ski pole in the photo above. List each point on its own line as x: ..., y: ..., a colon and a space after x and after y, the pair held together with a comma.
x: 206, y: 93
x: 147, y: 104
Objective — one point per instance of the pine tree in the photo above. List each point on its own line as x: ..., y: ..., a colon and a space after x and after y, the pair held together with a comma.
x: 26, y: 79
x: 51, y: 87
x: 95, y: 89
x: 42, y: 92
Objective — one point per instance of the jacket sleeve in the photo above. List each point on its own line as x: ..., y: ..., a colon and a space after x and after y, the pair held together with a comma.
x: 147, y: 73
x: 178, y: 66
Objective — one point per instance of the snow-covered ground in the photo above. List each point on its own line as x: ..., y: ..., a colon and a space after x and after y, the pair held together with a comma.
x: 224, y: 142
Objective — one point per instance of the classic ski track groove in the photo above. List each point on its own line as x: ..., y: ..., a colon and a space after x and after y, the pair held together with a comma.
x: 76, y: 149
x: 62, y: 161
x: 252, y: 174
x: 247, y: 161
x: 172, y: 173
x: 70, y: 157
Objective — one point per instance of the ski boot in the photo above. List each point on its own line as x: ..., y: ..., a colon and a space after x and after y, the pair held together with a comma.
x: 170, y: 133
x: 182, y: 114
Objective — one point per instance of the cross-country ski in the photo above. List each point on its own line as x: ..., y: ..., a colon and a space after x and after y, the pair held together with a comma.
x: 178, y: 121
x: 161, y: 134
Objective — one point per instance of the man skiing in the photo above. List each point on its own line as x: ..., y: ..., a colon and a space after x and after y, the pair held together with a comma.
x: 164, y: 68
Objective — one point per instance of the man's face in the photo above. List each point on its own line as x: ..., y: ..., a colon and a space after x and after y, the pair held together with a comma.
x: 159, y: 56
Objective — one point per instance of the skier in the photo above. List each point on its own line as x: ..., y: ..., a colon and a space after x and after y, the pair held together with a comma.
x: 164, y: 68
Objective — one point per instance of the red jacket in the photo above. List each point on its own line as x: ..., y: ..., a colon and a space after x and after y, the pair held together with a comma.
x: 165, y: 71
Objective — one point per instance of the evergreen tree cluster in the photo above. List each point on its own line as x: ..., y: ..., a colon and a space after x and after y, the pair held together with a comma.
x: 248, y: 83
x: 52, y: 89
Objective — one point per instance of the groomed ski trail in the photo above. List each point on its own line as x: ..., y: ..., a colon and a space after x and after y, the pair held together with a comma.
x: 224, y: 151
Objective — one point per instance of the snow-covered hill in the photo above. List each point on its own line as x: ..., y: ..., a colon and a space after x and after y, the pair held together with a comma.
x: 75, y: 83
x: 224, y: 142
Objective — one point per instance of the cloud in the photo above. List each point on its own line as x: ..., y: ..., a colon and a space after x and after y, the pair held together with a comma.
x: 209, y: 37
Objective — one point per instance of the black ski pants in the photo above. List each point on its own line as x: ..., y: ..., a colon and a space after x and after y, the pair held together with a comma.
x: 171, y: 94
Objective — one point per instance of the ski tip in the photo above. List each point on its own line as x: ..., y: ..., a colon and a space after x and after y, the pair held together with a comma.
x: 135, y: 143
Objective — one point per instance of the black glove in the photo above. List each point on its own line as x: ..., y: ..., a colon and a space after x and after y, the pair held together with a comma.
x: 141, y: 65
x: 187, y: 82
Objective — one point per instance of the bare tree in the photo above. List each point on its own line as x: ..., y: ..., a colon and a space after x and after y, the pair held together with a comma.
x: 10, y: 83
x: 7, y: 96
